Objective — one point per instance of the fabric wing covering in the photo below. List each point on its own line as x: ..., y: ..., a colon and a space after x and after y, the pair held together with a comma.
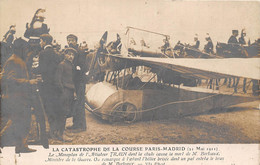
x: 205, y: 68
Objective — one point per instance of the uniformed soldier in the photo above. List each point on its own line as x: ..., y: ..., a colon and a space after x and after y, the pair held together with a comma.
x: 233, y: 38
x: 132, y: 41
x: 56, y: 46
x: 255, y: 87
x: 9, y: 36
x: 166, y: 45
x: 208, y: 48
x: 6, y: 44
x: 84, y: 46
x: 197, y: 42
x: 36, y: 28
x: 242, y: 41
x: 143, y: 43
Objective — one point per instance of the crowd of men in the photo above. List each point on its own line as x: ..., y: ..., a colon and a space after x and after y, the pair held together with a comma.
x: 209, y: 46
x: 235, y: 47
x: 36, y: 76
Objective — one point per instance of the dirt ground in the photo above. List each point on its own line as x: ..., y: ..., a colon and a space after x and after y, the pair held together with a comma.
x: 236, y: 124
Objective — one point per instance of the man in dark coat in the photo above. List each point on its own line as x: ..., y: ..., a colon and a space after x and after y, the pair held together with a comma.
x: 16, y: 102
x: 64, y: 81
x: 233, y: 39
x: 32, y: 62
x: 48, y: 62
x: 79, y: 71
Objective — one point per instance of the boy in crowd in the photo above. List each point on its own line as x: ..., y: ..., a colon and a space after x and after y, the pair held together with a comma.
x: 79, y: 79
x: 64, y: 80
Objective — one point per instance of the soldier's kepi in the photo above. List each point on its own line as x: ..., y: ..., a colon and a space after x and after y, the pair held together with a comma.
x: 36, y: 28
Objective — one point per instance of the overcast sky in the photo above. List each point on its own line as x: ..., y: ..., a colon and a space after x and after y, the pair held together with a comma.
x: 89, y: 19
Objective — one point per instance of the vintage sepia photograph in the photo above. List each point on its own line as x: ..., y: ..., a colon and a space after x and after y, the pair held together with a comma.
x: 120, y: 82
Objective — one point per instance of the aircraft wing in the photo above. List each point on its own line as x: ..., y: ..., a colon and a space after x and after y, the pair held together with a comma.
x: 199, y: 68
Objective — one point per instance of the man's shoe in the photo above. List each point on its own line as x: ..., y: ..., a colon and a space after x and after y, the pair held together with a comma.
x: 66, y: 139
x: 45, y: 143
x: 68, y: 134
x: 52, y: 134
x: 24, y: 150
x: 72, y: 127
x: 63, y: 138
x: 59, y: 137
x: 78, y: 130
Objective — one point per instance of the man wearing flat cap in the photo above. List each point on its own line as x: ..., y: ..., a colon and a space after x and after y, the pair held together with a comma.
x: 48, y: 62
x: 79, y: 70
x: 16, y: 100
x: 64, y: 81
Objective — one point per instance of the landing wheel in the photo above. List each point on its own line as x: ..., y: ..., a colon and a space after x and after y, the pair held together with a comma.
x: 125, y: 112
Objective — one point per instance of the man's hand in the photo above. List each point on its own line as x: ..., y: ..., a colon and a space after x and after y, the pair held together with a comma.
x: 39, y: 79
x: 75, y: 95
x: 78, y: 68
x: 33, y: 81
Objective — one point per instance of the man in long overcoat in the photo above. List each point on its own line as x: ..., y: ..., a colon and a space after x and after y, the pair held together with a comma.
x: 16, y: 101
x: 48, y: 62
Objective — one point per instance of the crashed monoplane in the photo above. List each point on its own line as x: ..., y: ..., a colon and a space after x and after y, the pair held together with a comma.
x: 133, y: 88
